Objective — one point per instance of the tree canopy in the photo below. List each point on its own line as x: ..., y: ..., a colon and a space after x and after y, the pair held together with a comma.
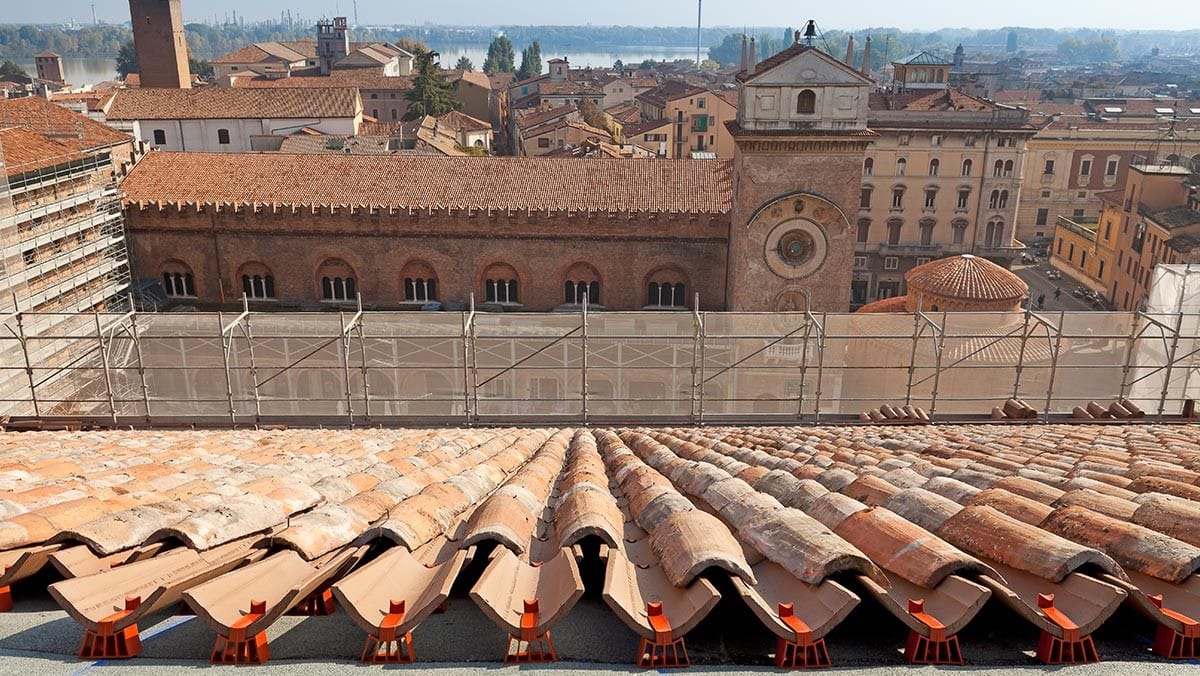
x: 430, y: 93
x: 531, y: 61
x: 127, y: 59
x: 12, y: 68
x: 500, y: 56
x: 464, y: 63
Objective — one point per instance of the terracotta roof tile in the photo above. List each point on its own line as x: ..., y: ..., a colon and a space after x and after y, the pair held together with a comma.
x: 223, y: 103
x: 702, y: 186
x: 966, y: 277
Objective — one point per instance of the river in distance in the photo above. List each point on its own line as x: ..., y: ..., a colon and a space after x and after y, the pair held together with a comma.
x: 83, y: 72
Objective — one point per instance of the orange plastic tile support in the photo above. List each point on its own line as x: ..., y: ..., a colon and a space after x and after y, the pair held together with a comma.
x: 107, y: 642
x: 1172, y: 644
x: 236, y: 648
x: 528, y: 646
x: 664, y: 651
x: 316, y: 603
x: 804, y: 652
x: 1071, y: 648
x: 937, y: 648
x: 6, y: 603
x: 386, y: 647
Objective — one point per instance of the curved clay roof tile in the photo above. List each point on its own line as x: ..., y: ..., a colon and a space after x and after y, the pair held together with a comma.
x: 966, y: 277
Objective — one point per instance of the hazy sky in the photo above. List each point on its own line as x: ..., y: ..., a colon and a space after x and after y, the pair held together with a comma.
x: 918, y: 14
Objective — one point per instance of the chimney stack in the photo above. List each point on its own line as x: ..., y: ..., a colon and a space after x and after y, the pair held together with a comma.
x: 745, y: 54
x: 753, y: 58
x: 866, y: 64
x: 850, y: 51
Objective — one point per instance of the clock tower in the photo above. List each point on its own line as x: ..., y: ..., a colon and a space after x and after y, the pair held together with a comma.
x: 800, y: 138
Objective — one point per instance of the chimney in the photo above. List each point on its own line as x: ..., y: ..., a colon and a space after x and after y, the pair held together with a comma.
x: 850, y: 51
x: 866, y: 64
x: 745, y: 54
x: 753, y: 58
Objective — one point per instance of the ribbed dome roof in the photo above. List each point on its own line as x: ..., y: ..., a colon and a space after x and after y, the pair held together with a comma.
x: 966, y: 277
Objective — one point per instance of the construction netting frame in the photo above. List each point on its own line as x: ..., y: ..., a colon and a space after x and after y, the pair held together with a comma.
x: 351, y: 366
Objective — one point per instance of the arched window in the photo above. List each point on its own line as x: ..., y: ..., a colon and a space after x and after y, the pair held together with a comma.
x: 419, y: 282
x: 1008, y: 168
x: 994, y: 199
x: 257, y: 281
x: 666, y: 287
x: 1003, y: 199
x: 178, y: 280
x: 901, y: 166
x: 998, y: 168
x: 934, y: 165
x: 967, y: 166
x: 806, y: 102
x: 337, y: 280
x: 868, y: 166
x: 581, y: 280
x: 994, y: 234
x: 500, y: 284
x: 958, y: 228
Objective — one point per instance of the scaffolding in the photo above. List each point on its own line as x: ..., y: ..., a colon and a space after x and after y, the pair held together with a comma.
x: 468, y: 368
x: 62, y: 248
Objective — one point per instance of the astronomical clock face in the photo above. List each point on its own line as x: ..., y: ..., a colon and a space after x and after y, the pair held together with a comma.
x: 798, y: 230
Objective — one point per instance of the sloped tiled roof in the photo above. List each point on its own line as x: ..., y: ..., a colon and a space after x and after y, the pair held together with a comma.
x: 966, y: 277
x: 536, y: 117
x: 233, y: 103
x: 478, y: 182
x: 1061, y: 524
x: 460, y: 121
x: 923, y: 59
x: 671, y: 90
x: 259, y: 53
x: 362, y: 78
x: 1176, y: 217
x: 38, y: 133
x: 893, y: 304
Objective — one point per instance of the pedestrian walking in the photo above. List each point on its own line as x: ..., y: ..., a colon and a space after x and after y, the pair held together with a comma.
x: 1041, y: 300
x: 1057, y: 293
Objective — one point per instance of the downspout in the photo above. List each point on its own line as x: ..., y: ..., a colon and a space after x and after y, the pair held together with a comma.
x: 217, y: 256
x: 182, y: 140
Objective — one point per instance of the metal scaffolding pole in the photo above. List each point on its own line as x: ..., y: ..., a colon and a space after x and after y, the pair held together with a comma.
x: 697, y: 416
x: 468, y: 324
x: 1054, y: 361
x: 583, y: 386
x: 108, y: 389
x: 141, y: 365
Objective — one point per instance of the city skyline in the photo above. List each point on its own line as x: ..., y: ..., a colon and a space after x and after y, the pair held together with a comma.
x: 931, y: 15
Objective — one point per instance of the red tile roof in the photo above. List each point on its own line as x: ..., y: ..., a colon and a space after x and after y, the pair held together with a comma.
x: 893, y: 304
x: 702, y: 186
x: 966, y: 277
x: 224, y: 103
x: 362, y: 78
x: 37, y: 133
x: 1038, y: 518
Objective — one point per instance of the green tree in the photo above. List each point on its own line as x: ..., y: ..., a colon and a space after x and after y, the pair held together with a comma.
x: 430, y: 93
x: 729, y: 52
x: 500, y: 56
x: 592, y: 115
x: 127, y: 59
x: 464, y: 63
x: 619, y: 66
x: 201, y: 67
x: 531, y: 61
x: 12, y: 69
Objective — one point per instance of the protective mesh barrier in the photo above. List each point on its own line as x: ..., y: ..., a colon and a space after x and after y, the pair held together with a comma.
x: 632, y: 366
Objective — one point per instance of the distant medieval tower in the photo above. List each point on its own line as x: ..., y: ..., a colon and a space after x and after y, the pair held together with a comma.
x: 159, y: 40
x: 801, y: 135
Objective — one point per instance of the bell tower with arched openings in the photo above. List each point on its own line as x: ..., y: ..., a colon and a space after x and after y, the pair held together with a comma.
x: 800, y: 138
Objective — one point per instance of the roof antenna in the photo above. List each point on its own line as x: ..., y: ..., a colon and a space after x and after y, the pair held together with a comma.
x: 810, y: 32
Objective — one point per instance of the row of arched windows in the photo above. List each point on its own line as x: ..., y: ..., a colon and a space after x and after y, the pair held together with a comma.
x: 338, y: 283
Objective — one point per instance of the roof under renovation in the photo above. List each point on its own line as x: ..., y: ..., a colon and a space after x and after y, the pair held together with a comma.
x: 780, y: 533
